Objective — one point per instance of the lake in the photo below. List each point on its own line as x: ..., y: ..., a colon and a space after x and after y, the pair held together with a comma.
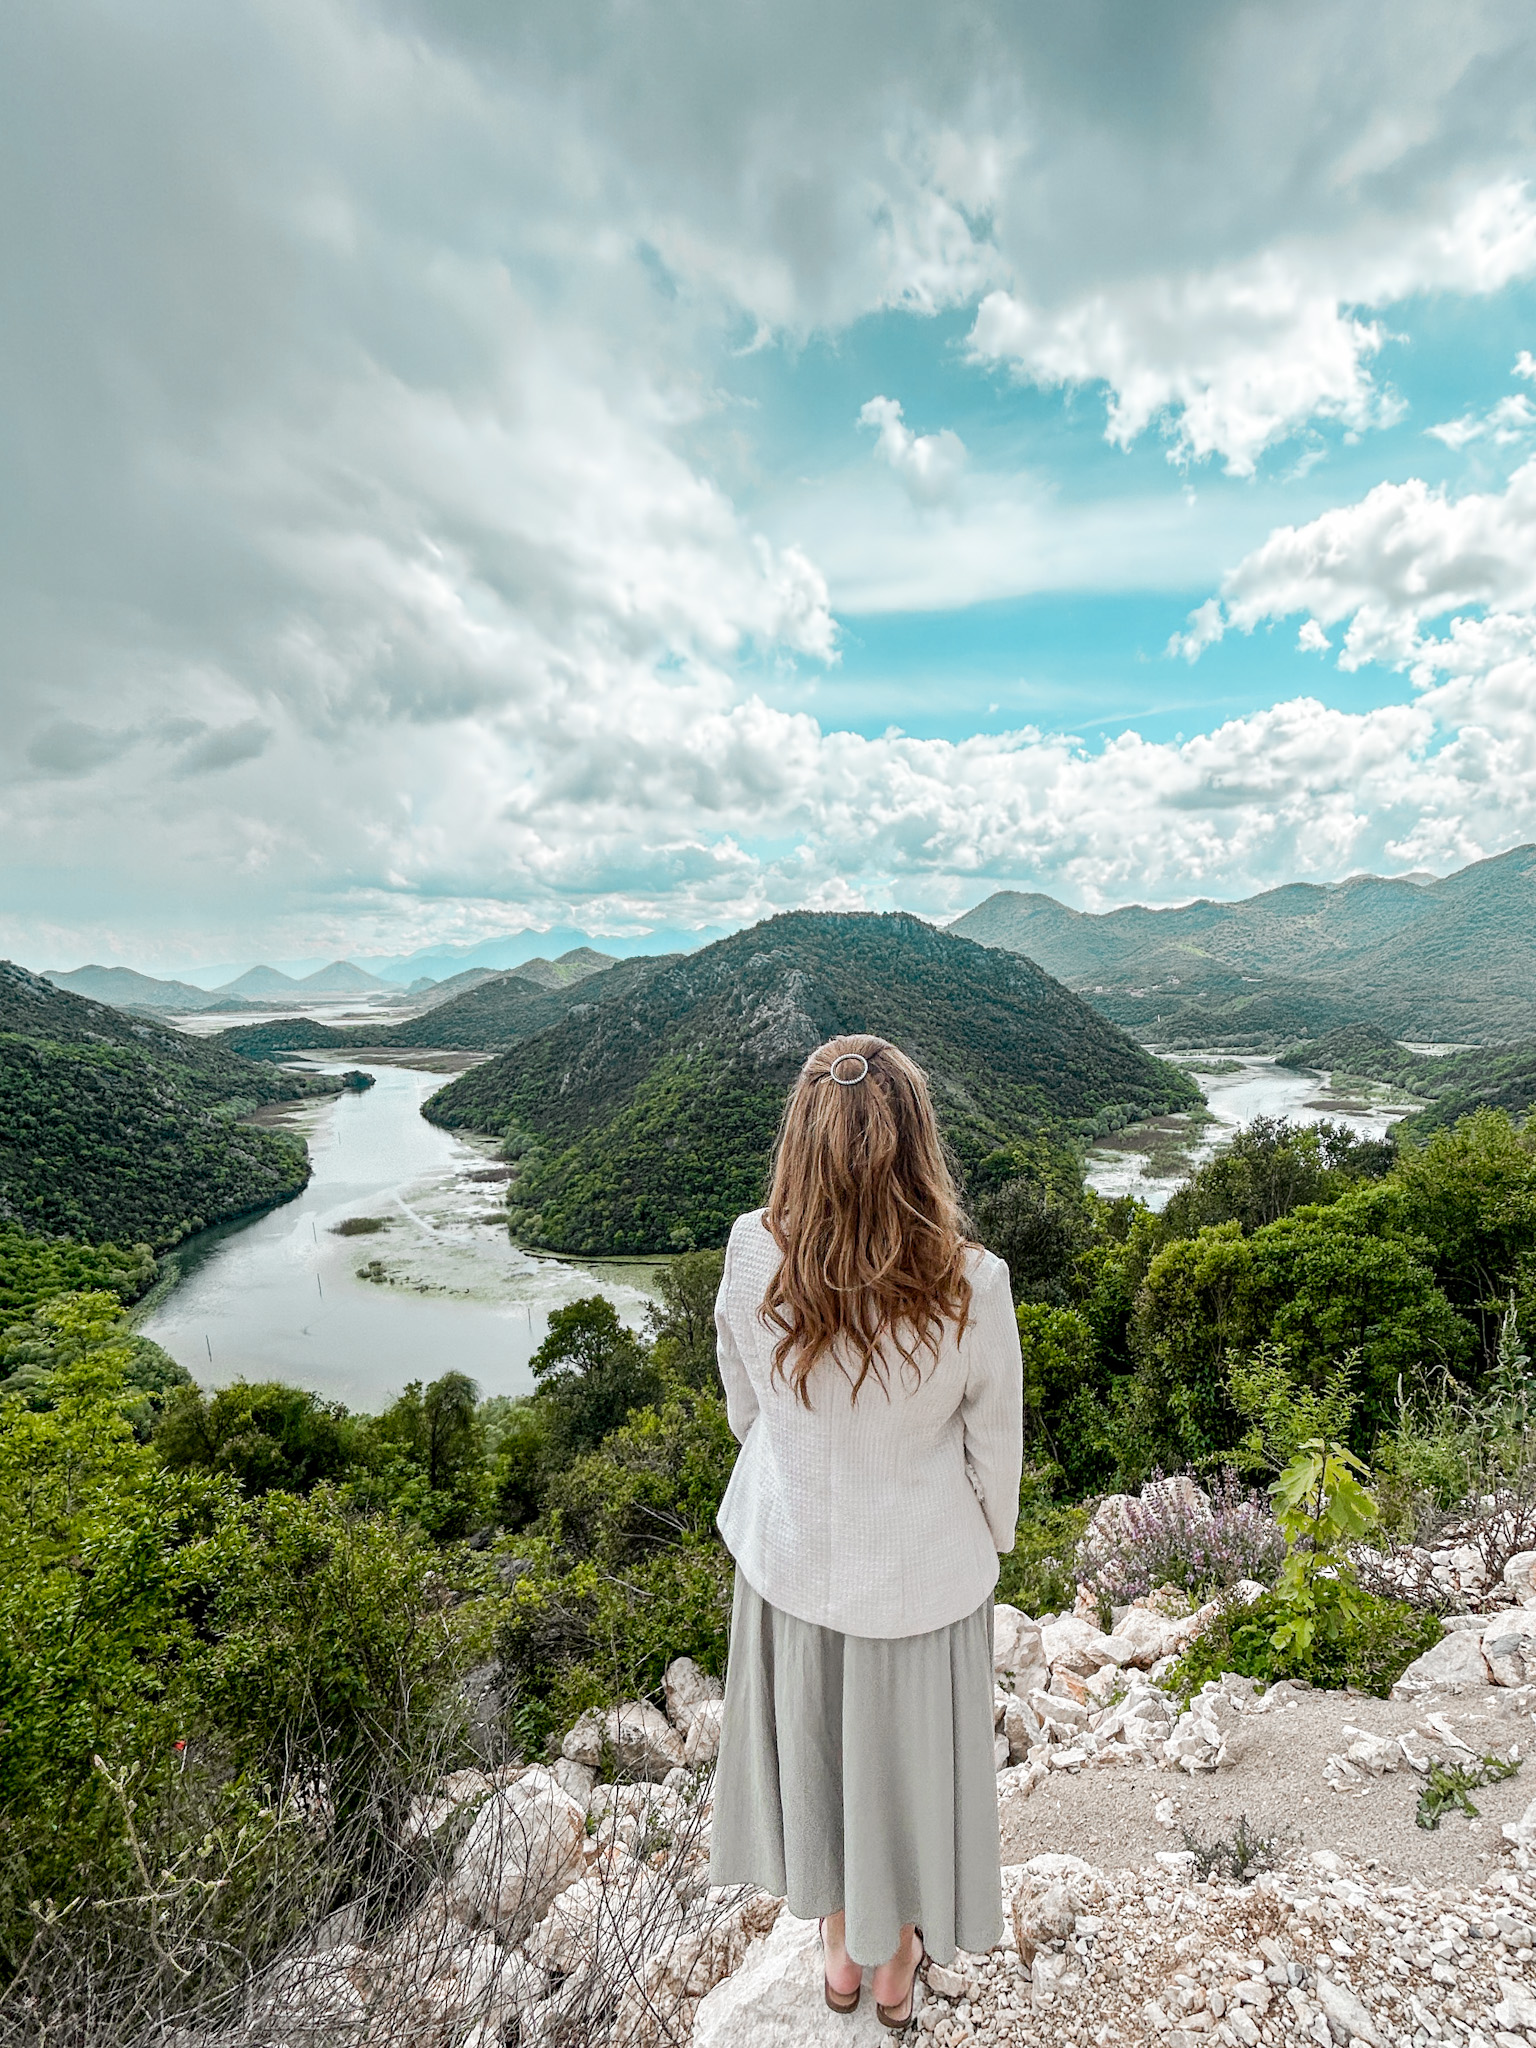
x: 280, y: 1297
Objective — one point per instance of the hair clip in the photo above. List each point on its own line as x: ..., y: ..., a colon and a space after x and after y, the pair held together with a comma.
x: 847, y: 1080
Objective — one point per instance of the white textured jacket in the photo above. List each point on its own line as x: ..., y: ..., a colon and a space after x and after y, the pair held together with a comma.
x: 885, y: 1516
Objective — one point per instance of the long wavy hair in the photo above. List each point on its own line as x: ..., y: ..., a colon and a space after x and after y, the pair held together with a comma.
x: 863, y: 1206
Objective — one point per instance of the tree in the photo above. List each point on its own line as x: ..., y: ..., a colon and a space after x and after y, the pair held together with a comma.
x: 1039, y: 1233
x: 591, y: 1373
x: 426, y: 1455
x: 1469, y: 1195
x: 1193, y: 1305
x: 1065, y: 1419
x: 682, y: 1324
x: 1269, y: 1169
x: 266, y: 1435
x: 104, y: 1562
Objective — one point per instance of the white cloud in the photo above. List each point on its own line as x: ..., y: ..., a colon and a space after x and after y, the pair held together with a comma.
x: 1510, y: 420
x: 1230, y: 360
x: 1403, y: 555
x: 929, y: 466
x: 1206, y: 627
x: 385, y: 565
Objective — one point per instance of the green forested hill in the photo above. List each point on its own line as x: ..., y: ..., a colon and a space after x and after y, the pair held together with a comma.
x: 1453, y: 1084
x: 116, y: 1129
x: 647, y: 1116
x: 1432, y: 958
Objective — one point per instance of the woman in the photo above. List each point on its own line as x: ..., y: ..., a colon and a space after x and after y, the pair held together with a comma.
x: 872, y: 1374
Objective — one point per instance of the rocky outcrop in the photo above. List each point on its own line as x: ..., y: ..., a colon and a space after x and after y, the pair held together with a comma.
x: 524, y: 1848
x: 1499, y: 1649
x: 635, y: 1739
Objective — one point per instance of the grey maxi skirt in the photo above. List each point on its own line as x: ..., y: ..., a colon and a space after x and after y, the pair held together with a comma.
x: 857, y: 1772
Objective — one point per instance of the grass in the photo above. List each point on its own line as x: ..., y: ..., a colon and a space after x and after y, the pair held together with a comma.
x: 1240, y: 1855
x: 359, y: 1226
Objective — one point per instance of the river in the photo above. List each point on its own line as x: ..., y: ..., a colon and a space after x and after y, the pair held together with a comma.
x: 281, y: 1297
x: 1149, y: 1160
x: 440, y: 1286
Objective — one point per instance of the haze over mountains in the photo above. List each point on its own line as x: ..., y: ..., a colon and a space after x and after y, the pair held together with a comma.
x: 494, y: 1012
x: 1450, y: 959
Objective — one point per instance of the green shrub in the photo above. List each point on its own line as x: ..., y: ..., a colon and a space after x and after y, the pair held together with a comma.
x: 1038, y: 1575
x: 576, y: 1636
x: 1371, y: 1650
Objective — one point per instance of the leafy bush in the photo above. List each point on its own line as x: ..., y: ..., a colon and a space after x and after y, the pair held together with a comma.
x: 1066, y: 1419
x: 1175, y: 1535
x: 71, y: 1328
x: 1039, y: 1574
x: 34, y: 1269
x: 267, y: 1436
x: 591, y: 1373
x: 1318, y: 1623
x: 103, y: 1560
x: 1370, y: 1650
x: 625, y: 1570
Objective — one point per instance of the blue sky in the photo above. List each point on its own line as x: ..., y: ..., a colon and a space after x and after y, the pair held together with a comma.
x: 470, y: 469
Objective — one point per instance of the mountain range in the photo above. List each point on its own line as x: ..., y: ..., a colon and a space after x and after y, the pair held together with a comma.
x: 114, y: 1129
x: 491, y: 1013
x: 1450, y: 959
x: 643, y: 1120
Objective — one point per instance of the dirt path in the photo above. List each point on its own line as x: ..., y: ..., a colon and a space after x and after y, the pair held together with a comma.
x: 1276, y: 1776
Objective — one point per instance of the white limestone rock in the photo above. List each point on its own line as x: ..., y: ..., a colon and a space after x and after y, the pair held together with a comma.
x: 1454, y: 1664
x: 524, y: 1847
x: 775, y: 2000
x: 687, y: 1687
x: 1071, y: 1644
x: 1508, y: 1645
x: 1146, y: 1636
x: 703, y: 1743
x: 1344, y: 2008
x: 1021, y: 1729
x: 1017, y: 1655
x: 579, y: 1780
x: 638, y: 1737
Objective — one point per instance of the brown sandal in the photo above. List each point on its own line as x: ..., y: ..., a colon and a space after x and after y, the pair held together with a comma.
x: 886, y: 2014
x: 844, y: 2002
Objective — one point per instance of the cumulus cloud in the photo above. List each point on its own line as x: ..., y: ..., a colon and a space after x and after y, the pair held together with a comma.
x: 1234, y: 358
x: 1404, y: 554
x: 1508, y: 421
x: 928, y: 466
x: 384, y: 558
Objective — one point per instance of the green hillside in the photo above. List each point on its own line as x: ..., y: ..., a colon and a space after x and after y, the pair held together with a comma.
x: 1428, y: 958
x: 646, y: 1118
x: 1453, y: 1084
x: 114, y: 1129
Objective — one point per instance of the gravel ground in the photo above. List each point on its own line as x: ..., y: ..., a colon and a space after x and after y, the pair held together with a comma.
x: 1276, y: 1776
x: 1323, y: 1951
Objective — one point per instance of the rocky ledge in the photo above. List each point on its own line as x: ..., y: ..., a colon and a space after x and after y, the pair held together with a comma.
x: 572, y: 1903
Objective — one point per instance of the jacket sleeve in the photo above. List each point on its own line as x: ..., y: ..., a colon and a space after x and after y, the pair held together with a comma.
x: 740, y: 1395
x: 993, y: 1407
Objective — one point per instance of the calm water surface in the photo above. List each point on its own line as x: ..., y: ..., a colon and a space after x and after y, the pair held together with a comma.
x: 281, y: 1297
x: 1146, y: 1165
